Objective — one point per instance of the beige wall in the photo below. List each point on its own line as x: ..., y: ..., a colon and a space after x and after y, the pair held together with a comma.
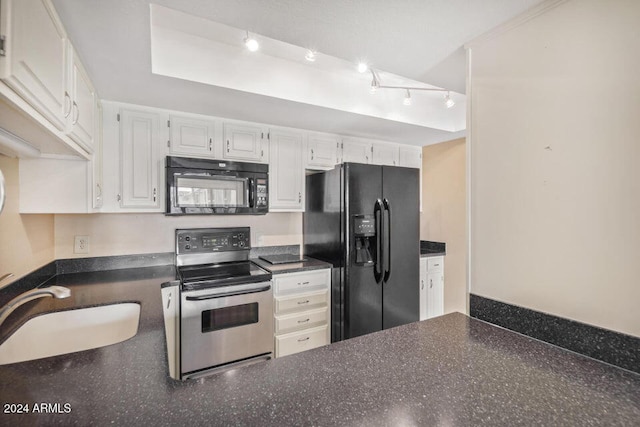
x: 555, y: 164
x: 26, y: 241
x: 123, y: 234
x: 443, y: 215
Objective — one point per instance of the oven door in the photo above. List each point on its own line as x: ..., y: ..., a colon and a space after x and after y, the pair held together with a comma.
x: 226, y: 324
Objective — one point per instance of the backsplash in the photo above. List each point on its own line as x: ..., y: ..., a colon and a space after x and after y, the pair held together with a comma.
x: 125, y: 234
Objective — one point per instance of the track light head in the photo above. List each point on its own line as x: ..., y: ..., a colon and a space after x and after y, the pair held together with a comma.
x: 310, y: 55
x: 448, y: 102
x: 251, y: 43
x: 362, y: 67
x: 407, y: 98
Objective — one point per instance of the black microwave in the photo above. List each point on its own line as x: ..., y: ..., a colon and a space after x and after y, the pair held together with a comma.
x: 204, y: 186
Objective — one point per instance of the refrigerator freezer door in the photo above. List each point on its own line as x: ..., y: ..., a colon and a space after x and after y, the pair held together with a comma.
x: 362, y: 295
x: 401, y: 299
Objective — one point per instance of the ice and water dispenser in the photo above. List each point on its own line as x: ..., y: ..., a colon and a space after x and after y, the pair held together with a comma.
x: 364, y: 235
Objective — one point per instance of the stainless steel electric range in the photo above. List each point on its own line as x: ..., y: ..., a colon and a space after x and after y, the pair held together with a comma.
x: 219, y: 311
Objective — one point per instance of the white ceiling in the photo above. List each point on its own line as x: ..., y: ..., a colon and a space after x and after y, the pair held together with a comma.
x: 418, y: 39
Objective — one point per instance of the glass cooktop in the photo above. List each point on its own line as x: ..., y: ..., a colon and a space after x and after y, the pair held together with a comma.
x: 221, y: 274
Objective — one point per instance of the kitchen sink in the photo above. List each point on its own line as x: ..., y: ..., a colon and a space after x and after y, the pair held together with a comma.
x: 63, y: 332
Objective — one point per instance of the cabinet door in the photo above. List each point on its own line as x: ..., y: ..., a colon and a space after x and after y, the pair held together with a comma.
x: 322, y: 152
x: 243, y: 142
x: 286, y: 172
x: 423, y: 288
x: 96, y: 161
x: 37, y: 58
x: 139, y: 172
x: 83, y: 104
x: 356, y: 151
x: 435, y: 286
x: 384, y: 154
x: 410, y: 157
x: 191, y: 136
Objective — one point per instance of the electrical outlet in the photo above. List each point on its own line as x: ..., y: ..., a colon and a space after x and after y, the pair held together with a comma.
x: 81, y: 245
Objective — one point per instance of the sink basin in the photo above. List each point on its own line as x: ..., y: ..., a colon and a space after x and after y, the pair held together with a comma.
x: 69, y: 331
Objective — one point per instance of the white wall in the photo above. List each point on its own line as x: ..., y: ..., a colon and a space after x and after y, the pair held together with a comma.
x: 443, y: 216
x: 124, y: 234
x: 26, y: 241
x: 555, y: 164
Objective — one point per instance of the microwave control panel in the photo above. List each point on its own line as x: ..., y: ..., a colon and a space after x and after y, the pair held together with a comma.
x: 262, y: 197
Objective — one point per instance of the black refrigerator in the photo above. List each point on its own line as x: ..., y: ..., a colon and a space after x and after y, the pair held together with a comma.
x: 365, y: 221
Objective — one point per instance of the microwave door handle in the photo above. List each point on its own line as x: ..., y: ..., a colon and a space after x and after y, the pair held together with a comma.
x: 251, y: 192
x: 228, y: 294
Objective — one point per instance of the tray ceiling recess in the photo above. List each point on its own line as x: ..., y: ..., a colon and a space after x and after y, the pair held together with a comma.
x: 196, y: 49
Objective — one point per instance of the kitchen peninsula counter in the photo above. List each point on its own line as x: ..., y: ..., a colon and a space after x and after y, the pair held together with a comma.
x: 451, y: 370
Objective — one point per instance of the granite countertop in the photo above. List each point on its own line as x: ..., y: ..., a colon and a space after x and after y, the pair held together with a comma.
x: 451, y: 370
x: 294, y: 267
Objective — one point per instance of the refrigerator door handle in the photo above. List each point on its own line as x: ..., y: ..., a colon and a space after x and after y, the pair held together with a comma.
x: 379, y: 226
x: 386, y: 220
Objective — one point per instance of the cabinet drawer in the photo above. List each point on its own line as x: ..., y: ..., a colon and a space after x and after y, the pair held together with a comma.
x: 296, y: 342
x: 301, y: 302
x: 307, y: 319
x: 302, y: 282
x: 435, y: 264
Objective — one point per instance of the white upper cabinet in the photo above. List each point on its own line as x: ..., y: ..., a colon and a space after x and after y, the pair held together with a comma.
x: 286, y: 171
x: 322, y: 151
x: 384, y: 154
x: 82, y: 116
x: 356, y: 150
x: 140, y: 138
x: 410, y: 156
x: 192, y: 136
x: 36, y: 57
x: 245, y: 142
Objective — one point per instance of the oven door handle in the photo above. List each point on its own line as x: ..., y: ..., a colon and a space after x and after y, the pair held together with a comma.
x: 228, y: 294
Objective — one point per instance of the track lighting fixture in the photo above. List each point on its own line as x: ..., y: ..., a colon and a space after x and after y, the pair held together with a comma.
x: 251, y: 43
x: 377, y: 84
x: 362, y: 67
x: 448, y: 102
x: 310, y: 56
x: 407, y: 98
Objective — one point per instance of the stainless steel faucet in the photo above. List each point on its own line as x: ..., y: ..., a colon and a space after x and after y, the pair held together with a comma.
x: 51, y: 291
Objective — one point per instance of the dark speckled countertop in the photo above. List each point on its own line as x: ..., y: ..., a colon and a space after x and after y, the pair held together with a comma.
x: 450, y: 370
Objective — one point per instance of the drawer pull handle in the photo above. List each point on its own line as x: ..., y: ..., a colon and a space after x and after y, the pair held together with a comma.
x: 303, y: 339
x: 303, y: 302
x: 303, y: 321
x: 303, y: 283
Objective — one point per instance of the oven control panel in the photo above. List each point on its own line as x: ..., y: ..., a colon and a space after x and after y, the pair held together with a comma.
x: 207, y: 240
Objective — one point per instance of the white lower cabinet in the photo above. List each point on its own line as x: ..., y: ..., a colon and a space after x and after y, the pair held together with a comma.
x: 296, y: 342
x: 301, y: 311
x: 431, y: 287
